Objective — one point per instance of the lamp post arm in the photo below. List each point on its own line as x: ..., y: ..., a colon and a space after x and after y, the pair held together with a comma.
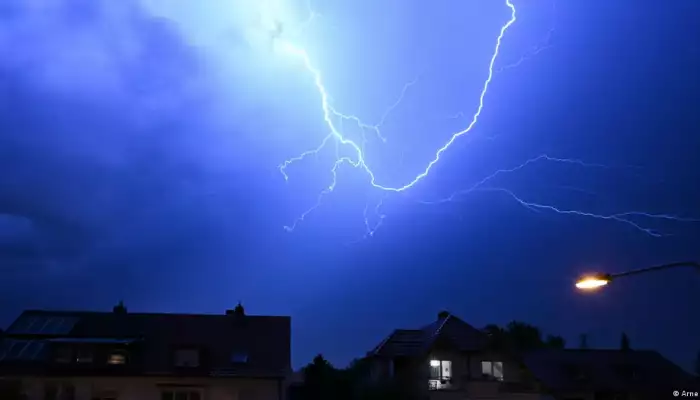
x: 691, y: 264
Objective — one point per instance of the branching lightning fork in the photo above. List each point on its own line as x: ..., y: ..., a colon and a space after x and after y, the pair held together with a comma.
x: 333, y: 118
x: 329, y: 114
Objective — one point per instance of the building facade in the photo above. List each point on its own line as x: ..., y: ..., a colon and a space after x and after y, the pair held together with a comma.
x: 594, y: 374
x: 65, y: 355
x: 449, y: 359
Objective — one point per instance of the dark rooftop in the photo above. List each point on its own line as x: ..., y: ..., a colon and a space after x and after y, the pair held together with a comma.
x: 232, y: 343
x: 415, y: 342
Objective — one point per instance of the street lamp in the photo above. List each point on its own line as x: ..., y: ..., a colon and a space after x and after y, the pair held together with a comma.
x: 596, y: 281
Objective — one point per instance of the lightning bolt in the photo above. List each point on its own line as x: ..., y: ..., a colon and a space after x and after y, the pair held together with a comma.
x: 545, y: 44
x: 622, y: 217
x: 359, y: 162
x: 334, y: 119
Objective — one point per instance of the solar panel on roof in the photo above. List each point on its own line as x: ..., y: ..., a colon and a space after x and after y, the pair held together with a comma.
x: 20, y: 353
x: 20, y: 325
x: 13, y: 349
x: 26, y: 325
x: 42, y: 328
x: 32, y: 324
x: 58, y: 325
x: 64, y: 325
x: 21, y: 349
x: 43, y: 325
x: 5, y: 347
x: 32, y: 350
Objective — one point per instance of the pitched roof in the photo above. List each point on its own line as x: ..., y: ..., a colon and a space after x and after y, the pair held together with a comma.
x: 263, y: 341
x: 464, y: 336
x: 633, y: 370
x: 415, y: 342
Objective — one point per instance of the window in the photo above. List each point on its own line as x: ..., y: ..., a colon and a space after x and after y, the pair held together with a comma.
x: 239, y: 357
x: 628, y: 372
x: 492, y: 370
x: 440, y: 369
x: 181, y: 394
x: 187, y: 358
x: 84, y: 356
x: 116, y: 358
x: 59, y: 391
x: 63, y: 355
x: 576, y: 372
x: 440, y: 374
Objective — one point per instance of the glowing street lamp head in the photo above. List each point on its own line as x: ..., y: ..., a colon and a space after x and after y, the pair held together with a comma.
x: 593, y: 282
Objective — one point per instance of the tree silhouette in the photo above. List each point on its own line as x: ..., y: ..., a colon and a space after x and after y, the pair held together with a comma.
x: 319, y: 379
x: 523, y: 336
x: 624, y: 342
x: 555, y: 342
x: 497, y: 338
x: 520, y: 337
x: 322, y: 381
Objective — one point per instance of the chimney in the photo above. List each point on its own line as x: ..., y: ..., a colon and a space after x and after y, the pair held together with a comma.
x: 239, y: 311
x: 119, y: 308
x: 443, y: 314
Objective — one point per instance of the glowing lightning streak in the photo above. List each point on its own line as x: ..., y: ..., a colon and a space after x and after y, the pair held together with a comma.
x: 329, y: 113
x: 623, y: 217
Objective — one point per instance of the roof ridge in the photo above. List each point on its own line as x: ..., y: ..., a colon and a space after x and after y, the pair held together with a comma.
x: 439, y: 329
x: 78, y: 312
x: 383, y: 342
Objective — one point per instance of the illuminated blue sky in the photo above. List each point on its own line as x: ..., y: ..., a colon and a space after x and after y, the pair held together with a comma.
x: 141, y: 143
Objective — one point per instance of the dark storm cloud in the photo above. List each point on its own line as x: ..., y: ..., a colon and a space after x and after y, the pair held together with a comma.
x: 100, y: 171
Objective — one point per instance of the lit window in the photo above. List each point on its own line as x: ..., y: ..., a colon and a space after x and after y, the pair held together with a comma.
x: 116, y: 359
x: 187, y: 358
x: 492, y: 369
x: 440, y: 375
x: 440, y: 369
x: 181, y: 394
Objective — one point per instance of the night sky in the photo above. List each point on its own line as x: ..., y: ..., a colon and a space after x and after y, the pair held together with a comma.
x: 140, y: 144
